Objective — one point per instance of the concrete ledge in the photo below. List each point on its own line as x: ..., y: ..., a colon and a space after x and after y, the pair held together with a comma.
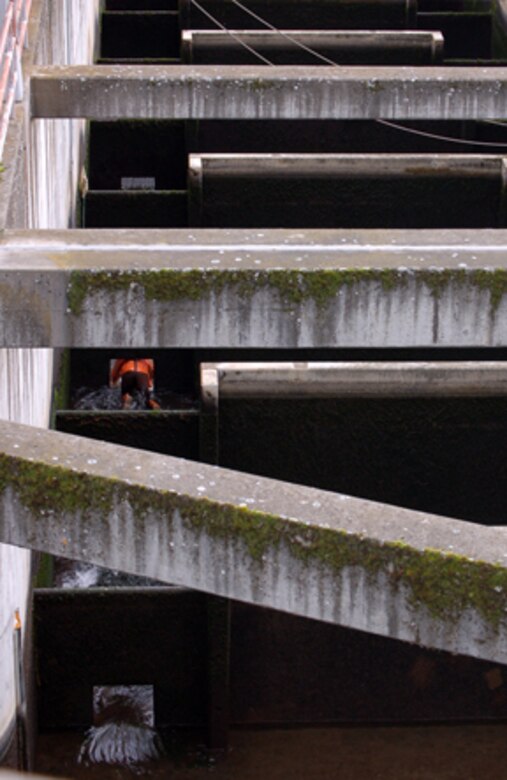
x: 323, y: 166
x: 345, y: 379
x: 373, y: 191
x: 249, y: 288
x: 405, y: 47
x: 109, y: 92
x: 389, y: 571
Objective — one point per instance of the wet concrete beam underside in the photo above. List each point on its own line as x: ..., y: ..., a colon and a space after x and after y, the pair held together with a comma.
x: 253, y: 288
x: 308, y: 552
x: 108, y: 92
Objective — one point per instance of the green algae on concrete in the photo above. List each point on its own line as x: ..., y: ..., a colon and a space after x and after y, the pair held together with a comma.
x: 444, y: 583
x: 293, y: 286
x: 61, y: 389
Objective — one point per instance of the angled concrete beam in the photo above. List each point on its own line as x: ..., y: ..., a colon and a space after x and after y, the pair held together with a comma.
x: 382, y: 569
x: 253, y: 288
x: 364, y: 379
x: 109, y: 92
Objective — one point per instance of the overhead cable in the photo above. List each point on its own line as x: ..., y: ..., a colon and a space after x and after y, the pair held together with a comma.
x: 328, y: 61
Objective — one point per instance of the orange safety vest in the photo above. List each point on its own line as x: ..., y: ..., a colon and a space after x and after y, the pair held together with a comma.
x: 141, y: 366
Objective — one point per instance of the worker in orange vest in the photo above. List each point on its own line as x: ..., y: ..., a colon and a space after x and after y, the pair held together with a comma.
x: 136, y: 375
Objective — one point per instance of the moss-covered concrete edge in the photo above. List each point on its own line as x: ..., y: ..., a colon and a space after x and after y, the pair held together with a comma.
x: 292, y: 286
x: 445, y: 583
x: 61, y: 388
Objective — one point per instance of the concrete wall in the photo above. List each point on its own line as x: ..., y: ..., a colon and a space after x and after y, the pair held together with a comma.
x: 38, y: 189
x: 25, y: 384
x: 66, y: 36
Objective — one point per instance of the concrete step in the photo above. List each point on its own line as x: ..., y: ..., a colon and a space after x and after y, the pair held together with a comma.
x: 344, y: 48
x: 345, y: 379
x: 347, y: 191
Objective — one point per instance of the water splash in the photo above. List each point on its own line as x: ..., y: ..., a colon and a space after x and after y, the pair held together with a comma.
x: 75, y: 574
x: 102, y: 398
x: 81, y: 575
x: 120, y: 743
x: 124, y: 733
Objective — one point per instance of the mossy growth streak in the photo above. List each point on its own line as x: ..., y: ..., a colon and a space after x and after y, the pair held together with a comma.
x: 445, y: 584
x: 292, y: 286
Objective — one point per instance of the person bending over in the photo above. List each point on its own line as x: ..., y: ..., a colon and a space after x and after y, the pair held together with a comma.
x: 136, y: 376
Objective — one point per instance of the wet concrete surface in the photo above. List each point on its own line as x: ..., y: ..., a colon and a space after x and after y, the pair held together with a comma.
x: 463, y: 752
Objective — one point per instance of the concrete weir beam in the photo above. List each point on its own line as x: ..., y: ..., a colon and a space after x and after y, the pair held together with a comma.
x: 318, y: 379
x: 111, y: 92
x: 382, y: 47
x: 394, y: 572
x: 222, y: 165
x: 314, y: 190
x: 253, y: 288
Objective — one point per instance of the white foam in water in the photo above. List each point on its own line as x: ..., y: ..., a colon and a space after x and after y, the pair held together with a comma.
x: 87, y: 575
x: 120, y: 743
x: 123, y: 733
x: 82, y: 575
x: 102, y: 398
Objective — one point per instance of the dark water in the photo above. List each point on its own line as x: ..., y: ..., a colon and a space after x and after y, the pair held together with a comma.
x: 459, y: 752
x: 105, y: 397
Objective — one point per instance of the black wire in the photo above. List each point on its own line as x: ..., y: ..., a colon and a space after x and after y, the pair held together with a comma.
x: 385, y: 122
x: 229, y: 32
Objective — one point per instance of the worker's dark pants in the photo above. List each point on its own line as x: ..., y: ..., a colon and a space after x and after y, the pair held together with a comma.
x: 135, y: 381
